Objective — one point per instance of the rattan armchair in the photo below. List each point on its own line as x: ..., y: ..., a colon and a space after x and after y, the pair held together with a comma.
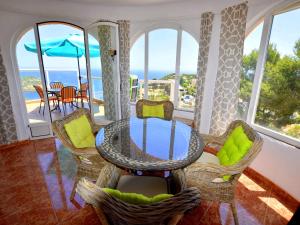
x: 202, y: 175
x: 168, y: 107
x: 111, y: 210
x: 89, y: 162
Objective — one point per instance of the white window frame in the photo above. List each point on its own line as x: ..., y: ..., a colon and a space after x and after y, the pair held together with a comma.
x: 177, y: 68
x: 259, y: 73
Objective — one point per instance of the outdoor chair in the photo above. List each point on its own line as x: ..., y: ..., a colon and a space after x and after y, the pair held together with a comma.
x: 89, y: 162
x: 82, y: 93
x: 56, y: 85
x: 40, y: 92
x: 113, y: 210
x: 67, y: 95
x: 161, y: 109
x: 208, y: 175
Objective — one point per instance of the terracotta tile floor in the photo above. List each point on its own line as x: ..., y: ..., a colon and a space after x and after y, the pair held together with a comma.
x: 36, y: 181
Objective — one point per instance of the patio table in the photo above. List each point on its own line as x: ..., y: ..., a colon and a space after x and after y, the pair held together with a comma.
x: 150, y: 144
x: 56, y: 92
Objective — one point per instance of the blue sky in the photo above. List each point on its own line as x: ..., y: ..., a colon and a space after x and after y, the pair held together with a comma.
x: 162, y: 46
x: 285, y: 32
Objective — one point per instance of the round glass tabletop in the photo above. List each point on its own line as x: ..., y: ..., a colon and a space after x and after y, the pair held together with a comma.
x: 149, y: 144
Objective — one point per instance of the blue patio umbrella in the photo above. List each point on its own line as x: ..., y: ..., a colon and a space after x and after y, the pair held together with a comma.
x: 71, y: 47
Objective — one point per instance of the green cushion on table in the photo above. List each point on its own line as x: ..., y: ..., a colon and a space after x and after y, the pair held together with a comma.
x: 80, y: 132
x: 136, y: 199
x: 235, y: 148
x: 154, y: 111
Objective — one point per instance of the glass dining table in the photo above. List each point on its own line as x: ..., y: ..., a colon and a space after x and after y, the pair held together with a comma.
x: 150, y: 144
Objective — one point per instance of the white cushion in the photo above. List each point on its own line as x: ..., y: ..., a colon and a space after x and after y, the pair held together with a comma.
x: 210, y: 158
x: 146, y: 185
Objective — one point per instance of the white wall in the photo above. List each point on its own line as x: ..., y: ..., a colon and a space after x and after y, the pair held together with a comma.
x: 277, y: 161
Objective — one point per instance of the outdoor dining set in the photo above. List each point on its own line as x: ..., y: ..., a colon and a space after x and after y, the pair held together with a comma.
x: 151, y: 168
x: 58, y: 93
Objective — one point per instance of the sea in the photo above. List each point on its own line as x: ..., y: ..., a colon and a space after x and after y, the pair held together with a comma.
x: 70, y: 78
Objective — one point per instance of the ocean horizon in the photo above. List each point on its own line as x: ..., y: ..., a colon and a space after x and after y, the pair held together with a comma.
x: 70, y: 78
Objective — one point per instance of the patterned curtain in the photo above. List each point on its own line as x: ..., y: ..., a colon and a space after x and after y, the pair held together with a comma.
x: 8, y: 131
x: 104, y: 35
x: 205, y: 35
x: 227, y: 86
x: 124, y: 56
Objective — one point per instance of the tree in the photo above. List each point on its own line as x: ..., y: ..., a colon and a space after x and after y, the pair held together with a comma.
x: 279, y: 101
x: 297, y: 48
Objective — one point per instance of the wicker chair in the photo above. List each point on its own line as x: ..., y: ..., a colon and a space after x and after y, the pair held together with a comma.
x: 168, y: 107
x: 111, y: 210
x: 89, y: 162
x: 202, y: 175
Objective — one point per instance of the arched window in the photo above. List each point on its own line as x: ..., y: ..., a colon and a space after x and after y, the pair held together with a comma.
x: 165, y: 62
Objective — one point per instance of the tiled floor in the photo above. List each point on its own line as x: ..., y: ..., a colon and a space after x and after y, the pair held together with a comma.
x: 36, y: 181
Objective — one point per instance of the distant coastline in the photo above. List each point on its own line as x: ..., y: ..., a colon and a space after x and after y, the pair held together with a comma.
x: 69, y: 78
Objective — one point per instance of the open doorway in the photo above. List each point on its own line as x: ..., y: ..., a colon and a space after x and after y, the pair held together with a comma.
x: 53, y: 75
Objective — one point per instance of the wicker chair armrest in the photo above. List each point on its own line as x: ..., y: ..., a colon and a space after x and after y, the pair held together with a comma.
x: 216, y: 169
x: 100, y: 124
x: 85, y: 151
x: 209, y: 139
x: 96, y: 128
x: 109, y: 176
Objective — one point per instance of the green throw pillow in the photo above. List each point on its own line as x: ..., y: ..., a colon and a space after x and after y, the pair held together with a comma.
x: 136, y: 199
x: 154, y: 111
x: 235, y: 148
x: 80, y: 132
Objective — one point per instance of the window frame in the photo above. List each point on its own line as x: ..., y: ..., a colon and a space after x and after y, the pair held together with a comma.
x: 259, y: 73
x: 177, y: 69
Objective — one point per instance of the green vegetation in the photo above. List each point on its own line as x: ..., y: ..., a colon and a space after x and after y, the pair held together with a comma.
x: 279, y: 101
x: 187, y: 81
x: 28, y: 82
x: 159, y: 91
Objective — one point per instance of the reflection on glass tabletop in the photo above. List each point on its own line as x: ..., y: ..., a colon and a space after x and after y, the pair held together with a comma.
x: 149, y: 144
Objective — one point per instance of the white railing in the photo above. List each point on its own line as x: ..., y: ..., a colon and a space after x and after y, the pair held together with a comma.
x: 160, y: 89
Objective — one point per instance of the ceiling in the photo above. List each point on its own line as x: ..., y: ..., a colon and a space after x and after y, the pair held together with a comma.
x: 134, y: 10
x: 125, y: 2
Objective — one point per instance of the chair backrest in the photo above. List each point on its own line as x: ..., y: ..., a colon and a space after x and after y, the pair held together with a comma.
x: 56, y: 85
x: 39, y: 90
x: 68, y: 93
x: 84, y: 89
x: 59, y: 129
x: 120, y: 212
x: 168, y: 107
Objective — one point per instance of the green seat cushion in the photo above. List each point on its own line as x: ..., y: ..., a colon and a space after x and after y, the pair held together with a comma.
x: 154, y: 111
x: 80, y: 132
x: 235, y: 148
x: 136, y: 199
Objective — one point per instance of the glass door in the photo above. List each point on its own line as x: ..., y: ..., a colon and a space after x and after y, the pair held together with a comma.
x: 64, y: 66
x: 31, y: 88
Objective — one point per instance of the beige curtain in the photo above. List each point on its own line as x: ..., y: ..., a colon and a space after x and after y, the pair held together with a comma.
x: 105, y: 42
x: 204, y: 42
x: 124, y: 57
x: 227, y: 86
x: 8, y: 132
